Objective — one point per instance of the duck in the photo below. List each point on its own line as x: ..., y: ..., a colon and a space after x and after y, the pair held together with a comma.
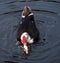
x: 27, y: 32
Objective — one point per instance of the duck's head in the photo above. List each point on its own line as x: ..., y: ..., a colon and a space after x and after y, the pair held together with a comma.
x: 26, y: 11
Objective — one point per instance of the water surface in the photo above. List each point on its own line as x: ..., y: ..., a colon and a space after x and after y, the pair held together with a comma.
x: 47, y: 18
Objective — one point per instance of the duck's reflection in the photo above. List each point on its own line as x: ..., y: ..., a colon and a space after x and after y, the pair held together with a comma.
x: 10, y: 62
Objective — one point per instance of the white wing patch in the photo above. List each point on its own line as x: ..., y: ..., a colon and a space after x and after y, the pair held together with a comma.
x: 29, y: 39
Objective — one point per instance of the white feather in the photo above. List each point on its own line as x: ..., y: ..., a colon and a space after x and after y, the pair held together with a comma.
x: 29, y: 39
x: 23, y: 16
x: 24, y: 34
x: 30, y: 14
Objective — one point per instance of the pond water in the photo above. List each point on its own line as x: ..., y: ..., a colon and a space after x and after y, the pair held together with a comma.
x: 47, y: 18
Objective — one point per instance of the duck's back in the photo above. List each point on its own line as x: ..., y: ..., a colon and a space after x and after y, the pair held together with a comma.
x: 28, y: 25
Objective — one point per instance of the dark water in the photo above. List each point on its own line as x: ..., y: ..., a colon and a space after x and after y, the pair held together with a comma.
x: 47, y: 16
